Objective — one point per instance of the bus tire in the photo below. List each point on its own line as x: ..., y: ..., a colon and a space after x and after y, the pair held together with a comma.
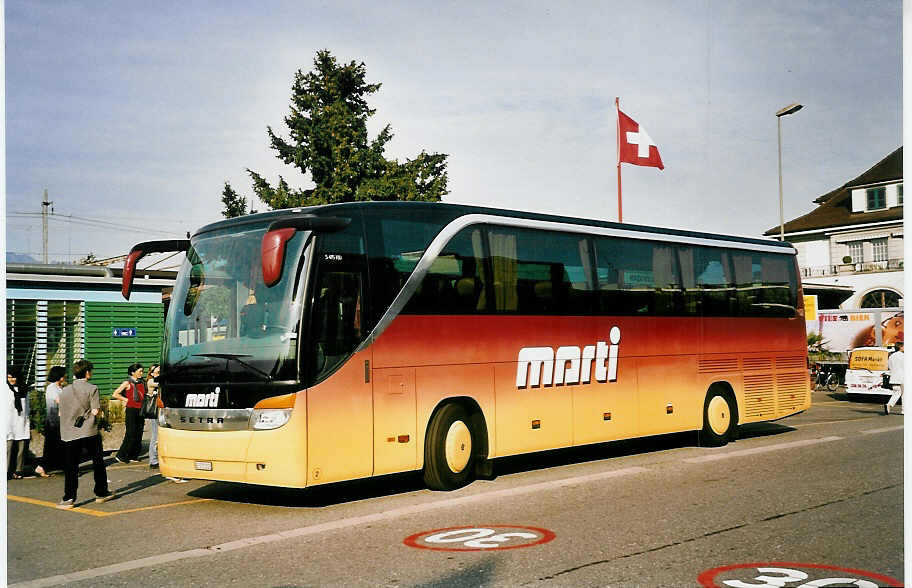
x: 449, y: 449
x: 720, y: 418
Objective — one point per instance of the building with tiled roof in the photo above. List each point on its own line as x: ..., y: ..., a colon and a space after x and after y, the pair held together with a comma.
x: 855, y: 237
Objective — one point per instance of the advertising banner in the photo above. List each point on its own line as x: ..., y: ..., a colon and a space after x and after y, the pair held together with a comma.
x: 843, y: 330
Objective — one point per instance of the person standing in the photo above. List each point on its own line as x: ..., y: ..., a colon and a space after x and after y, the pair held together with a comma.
x: 79, y: 406
x: 152, y: 390
x: 135, y: 388
x: 19, y: 428
x: 896, y: 366
x: 52, y: 456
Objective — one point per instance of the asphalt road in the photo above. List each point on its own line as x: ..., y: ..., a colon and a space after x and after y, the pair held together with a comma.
x: 820, y: 494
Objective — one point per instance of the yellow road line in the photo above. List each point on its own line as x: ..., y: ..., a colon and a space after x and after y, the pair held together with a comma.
x: 155, y: 506
x: 101, y: 513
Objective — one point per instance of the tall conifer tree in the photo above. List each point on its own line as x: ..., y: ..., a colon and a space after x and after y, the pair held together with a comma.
x: 328, y: 140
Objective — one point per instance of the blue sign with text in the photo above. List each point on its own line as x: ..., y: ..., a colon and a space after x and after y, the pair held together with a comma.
x: 124, y: 331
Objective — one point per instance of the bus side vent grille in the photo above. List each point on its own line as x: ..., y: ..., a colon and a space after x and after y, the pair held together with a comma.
x: 718, y: 365
x: 758, y: 363
x: 791, y: 392
x: 791, y: 363
x: 759, y: 397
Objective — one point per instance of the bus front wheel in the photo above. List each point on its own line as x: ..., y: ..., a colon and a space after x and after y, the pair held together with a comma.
x: 719, y: 419
x: 448, y: 450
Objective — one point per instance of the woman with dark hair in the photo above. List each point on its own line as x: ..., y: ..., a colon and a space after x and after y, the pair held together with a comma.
x: 52, y: 456
x: 19, y: 427
x: 135, y: 388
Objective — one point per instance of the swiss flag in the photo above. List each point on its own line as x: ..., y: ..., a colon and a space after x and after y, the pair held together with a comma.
x: 635, y: 145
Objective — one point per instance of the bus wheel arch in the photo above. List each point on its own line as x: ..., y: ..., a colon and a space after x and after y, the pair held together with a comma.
x: 720, y: 415
x: 455, y: 442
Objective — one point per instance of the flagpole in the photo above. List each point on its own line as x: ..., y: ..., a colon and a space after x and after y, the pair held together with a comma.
x: 617, y: 107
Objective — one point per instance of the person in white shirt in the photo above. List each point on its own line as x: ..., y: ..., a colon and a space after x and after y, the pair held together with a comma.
x: 52, y: 456
x: 895, y: 365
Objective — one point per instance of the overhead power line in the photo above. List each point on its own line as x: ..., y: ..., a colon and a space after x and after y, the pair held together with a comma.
x: 89, y: 222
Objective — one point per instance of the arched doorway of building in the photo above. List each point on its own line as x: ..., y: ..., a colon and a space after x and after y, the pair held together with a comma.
x: 881, y: 298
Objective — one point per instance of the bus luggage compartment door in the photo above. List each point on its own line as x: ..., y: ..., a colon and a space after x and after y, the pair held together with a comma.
x: 395, y: 434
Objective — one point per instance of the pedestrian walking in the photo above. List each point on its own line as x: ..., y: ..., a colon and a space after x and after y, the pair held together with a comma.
x: 135, y: 388
x: 18, y: 430
x: 79, y: 407
x: 896, y: 367
x: 52, y: 455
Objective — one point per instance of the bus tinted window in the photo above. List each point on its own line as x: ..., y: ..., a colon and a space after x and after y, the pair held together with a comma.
x: 540, y: 272
x: 396, y: 243
x: 712, y: 279
x: 455, y: 283
x: 767, y: 284
x: 637, y: 277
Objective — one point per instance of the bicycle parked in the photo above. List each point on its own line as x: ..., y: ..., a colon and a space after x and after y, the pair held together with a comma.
x: 825, y: 377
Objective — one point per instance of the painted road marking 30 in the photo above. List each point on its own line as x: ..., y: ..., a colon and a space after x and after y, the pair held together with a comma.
x: 791, y: 575
x: 481, y: 538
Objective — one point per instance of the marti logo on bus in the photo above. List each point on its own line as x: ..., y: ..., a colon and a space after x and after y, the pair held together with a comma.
x: 568, y: 365
x: 203, y: 400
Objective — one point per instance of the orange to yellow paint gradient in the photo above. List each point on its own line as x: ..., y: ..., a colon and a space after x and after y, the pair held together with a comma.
x: 371, y: 416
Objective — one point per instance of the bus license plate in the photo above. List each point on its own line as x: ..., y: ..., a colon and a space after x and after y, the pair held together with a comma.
x: 206, y: 466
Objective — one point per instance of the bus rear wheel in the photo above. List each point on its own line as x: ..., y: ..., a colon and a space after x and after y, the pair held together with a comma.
x: 719, y: 419
x: 448, y: 449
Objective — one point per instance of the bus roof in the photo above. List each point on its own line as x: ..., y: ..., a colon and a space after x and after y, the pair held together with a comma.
x: 458, y: 210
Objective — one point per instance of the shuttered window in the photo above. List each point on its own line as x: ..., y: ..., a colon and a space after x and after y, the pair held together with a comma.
x: 42, y: 334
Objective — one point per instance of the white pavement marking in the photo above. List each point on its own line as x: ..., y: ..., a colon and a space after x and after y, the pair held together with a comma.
x: 884, y: 430
x: 756, y: 450
x: 322, y: 528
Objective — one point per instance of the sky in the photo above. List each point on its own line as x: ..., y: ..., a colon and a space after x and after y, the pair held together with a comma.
x: 133, y: 115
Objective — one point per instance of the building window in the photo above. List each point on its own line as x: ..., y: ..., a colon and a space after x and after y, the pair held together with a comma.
x: 881, y: 299
x: 877, y: 198
x: 856, y: 251
x: 899, y: 194
x: 880, y: 249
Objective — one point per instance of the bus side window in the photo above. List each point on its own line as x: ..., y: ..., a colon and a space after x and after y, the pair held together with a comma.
x: 395, y: 246
x: 456, y: 281
x: 715, y: 281
x: 766, y: 284
x: 637, y: 278
x: 780, y: 285
x: 540, y: 273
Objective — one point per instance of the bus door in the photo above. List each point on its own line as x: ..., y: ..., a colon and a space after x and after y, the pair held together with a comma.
x: 339, y: 405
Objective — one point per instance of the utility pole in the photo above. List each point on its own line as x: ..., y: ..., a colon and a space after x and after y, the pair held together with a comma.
x: 44, y: 227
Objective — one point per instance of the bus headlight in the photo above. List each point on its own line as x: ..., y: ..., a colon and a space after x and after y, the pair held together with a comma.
x: 273, y: 412
x: 269, y: 418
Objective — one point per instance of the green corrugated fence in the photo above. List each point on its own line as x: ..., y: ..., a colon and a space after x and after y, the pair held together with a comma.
x: 118, y: 334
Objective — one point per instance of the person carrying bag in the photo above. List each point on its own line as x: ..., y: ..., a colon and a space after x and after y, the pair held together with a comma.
x: 149, y: 408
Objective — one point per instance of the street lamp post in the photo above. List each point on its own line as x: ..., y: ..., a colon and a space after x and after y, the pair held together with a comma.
x: 790, y: 109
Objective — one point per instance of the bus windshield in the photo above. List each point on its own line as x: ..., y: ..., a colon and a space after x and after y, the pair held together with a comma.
x: 223, y: 321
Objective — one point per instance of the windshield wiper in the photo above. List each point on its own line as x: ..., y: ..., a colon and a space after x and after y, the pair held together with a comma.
x: 236, y: 357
